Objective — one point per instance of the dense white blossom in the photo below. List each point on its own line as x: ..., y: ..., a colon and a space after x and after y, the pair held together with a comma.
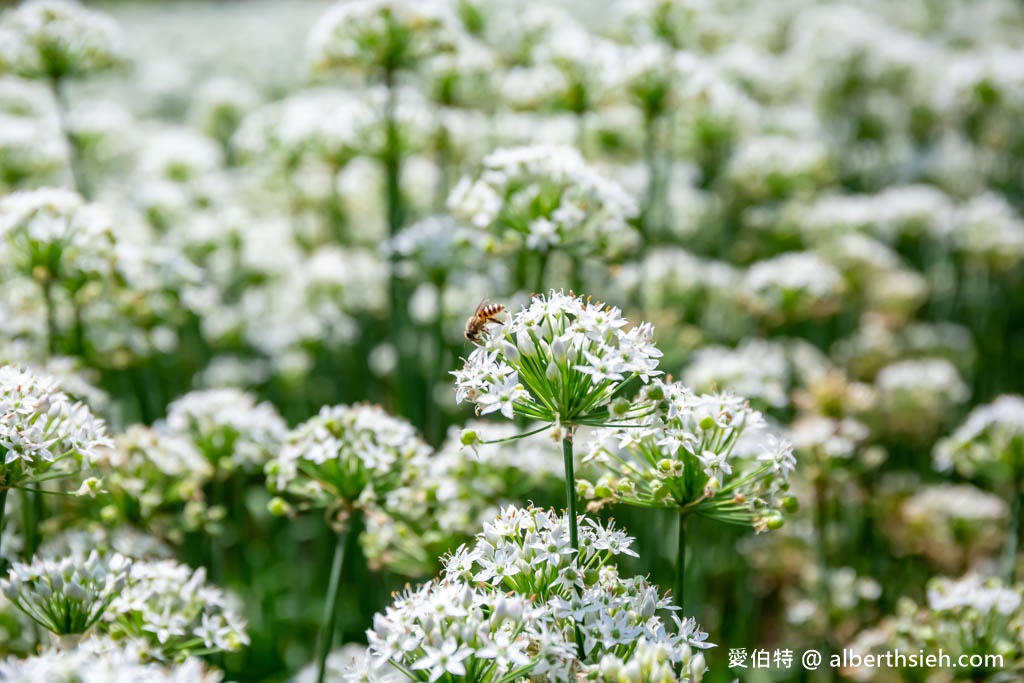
x: 542, y: 198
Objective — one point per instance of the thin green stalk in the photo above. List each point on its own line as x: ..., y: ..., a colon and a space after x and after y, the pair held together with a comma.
x: 542, y: 267
x: 651, y: 208
x: 3, y: 508
x: 326, y: 636
x: 821, y: 533
x: 570, y: 503
x: 51, y: 315
x: 31, y: 516
x: 74, y: 154
x: 392, y: 157
x: 681, y: 562
x: 1016, y: 529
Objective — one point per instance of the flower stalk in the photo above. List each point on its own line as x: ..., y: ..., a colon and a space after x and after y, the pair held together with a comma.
x: 327, y: 626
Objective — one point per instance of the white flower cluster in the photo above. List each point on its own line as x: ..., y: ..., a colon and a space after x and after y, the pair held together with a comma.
x: 916, y: 397
x: 171, y: 611
x: 51, y: 234
x: 710, y: 454
x: 348, y: 455
x: 69, y: 595
x: 543, y: 198
x: 317, y: 124
x: 792, y: 286
x: 756, y: 369
x: 29, y: 150
x: 149, y: 471
x: 448, y: 501
x: 227, y: 426
x: 52, y: 39
x: 908, y: 211
x: 953, y: 525
x: 560, y: 359
x: 974, y: 594
x: 367, y: 35
x: 774, y: 166
x: 82, y: 665
x: 651, y: 662
x: 989, y: 444
x: 506, y: 607
x: 42, y: 433
x: 963, y: 616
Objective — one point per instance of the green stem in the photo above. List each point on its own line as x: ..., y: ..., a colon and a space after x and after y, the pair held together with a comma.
x: 3, y: 508
x: 326, y: 637
x: 51, y: 315
x: 31, y: 515
x: 1013, y: 540
x: 542, y: 267
x: 653, y: 179
x: 570, y: 504
x: 74, y: 154
x: 821, y: 533
x: 681, y: 562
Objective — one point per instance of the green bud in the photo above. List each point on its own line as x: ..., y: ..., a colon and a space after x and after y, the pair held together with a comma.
x: 655, y: 392
x: 278, y: 507
x: 108, y: 513
x: 469, y: 437
x: 707, y: 423
x: 774, y: 521
x: 620, y: 407
x: 790, y: 504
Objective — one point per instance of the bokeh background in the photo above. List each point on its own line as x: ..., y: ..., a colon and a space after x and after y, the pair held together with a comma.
x: 828, y: 223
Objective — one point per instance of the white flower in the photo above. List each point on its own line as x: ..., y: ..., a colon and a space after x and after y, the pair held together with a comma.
x: 171, y: 610
x: 227, y: 426
x: 444, y: 659
x: 545, y: 197
x: 102, y: 665
x: 527, y: 365
x: 56, y: 39
x: 69, y: 595
x: 346, y: 452
x: 41, y: 430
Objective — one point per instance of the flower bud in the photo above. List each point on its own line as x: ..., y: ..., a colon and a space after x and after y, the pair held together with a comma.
x: 510, y: 352
x: 525, y: 343
x: 552, y: 373
x: 620, y: 407
x: 278, y: 507
x: 774, y: 521
x: 469, y: 437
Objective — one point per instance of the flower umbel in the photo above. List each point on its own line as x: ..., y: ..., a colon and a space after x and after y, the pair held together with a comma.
x: 560, y: 360
x: 69, y: 595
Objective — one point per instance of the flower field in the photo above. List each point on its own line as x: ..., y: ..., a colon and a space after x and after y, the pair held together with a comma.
x: 511, y: 341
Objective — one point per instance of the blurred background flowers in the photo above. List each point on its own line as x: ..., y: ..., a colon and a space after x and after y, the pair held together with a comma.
x: 239, y: 243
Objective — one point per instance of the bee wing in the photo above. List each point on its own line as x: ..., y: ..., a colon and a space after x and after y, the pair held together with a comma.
x: 482, y: 305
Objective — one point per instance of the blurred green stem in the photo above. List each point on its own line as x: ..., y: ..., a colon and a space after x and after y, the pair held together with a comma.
x: 336, y: 217
x: 542, y: 267
x: 32, y: 514
x: 74, y: 153
x: 1013, y: 539
x: 3, y: 509
x: 652, y: 204
x: 570, y: 504
x: 681, y: 562
x: 443, y: 151
x: 51, y: 314
x: 821, y: 534
x: 326, y: 637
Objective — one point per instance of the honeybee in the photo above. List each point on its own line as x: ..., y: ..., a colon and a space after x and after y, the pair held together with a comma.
x: 485, y: 314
